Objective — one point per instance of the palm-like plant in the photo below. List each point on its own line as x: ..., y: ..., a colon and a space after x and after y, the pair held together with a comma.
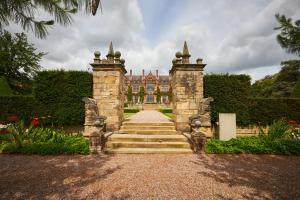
x: 24, y: 13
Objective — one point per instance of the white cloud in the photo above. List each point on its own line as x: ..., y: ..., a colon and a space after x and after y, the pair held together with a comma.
x: 232, y: 36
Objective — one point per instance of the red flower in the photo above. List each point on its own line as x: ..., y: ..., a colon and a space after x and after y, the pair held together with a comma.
x: 13, y: 118
x: 3, y: 131
x: 35, y: 121
x: 292, y: 122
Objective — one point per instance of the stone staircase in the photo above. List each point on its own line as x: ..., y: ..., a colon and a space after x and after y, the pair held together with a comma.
x: 147, y: 137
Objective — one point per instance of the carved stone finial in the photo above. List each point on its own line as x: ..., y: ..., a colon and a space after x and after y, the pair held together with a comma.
x: 122, y: 61
x: 110, y: 55
x: 185, y: 54
x: 117, y: 57
x: 178, y: 54
x: 199, y: 61
x: 97, y: 57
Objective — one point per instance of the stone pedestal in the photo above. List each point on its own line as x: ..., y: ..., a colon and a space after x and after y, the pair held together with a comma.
x: 187, y: 88
x: 187, y: 84
x: 108, y: 87
x: 227, y: 126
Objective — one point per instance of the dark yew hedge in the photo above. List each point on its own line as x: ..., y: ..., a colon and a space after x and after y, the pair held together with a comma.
x: 21, y: 106
x: 266, y: 110
x: 230, y: 93
x: 59, y: 94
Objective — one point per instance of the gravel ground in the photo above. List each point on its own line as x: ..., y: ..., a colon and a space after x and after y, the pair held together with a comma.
x: 150, y: 177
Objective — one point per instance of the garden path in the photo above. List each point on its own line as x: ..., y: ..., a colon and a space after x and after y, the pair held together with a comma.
x: 149, y: 116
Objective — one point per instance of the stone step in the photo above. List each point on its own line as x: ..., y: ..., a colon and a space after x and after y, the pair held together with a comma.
x: 148, y: 132
x: 113, y: 144
x: 147, y: 138
x: 150, y: 151
x: 148, y: 124
x: 125, y: 127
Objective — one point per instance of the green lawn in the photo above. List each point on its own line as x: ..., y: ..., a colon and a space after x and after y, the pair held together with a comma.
x: 170, y: 115
x: 126, y: 115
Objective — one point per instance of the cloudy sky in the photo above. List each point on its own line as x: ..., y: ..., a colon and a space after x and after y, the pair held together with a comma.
x: 234, y: 36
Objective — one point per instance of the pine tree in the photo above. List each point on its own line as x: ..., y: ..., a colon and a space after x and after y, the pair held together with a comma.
x: 24, y: 13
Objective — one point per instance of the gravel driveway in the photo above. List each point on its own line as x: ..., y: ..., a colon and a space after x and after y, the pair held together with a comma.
x: 150, y: 177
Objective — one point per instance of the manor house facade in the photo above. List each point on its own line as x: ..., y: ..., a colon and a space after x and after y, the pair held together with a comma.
x: 156, y: 87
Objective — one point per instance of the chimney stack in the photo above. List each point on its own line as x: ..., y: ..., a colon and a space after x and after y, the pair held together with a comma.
x: 143, y: 73
x: 130, y: 74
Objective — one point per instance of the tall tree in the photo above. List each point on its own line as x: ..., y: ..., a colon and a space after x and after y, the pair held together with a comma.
x: 289, y: 37
x: 129, y: 94
x: 19, y: 60
x: 158, y: 95
x: 25, y: 12
x: 142, y: 94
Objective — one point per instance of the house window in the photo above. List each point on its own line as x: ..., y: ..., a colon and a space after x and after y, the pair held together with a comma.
x: 150, y: 98
x: 150, y: 87
x: 136, y: 87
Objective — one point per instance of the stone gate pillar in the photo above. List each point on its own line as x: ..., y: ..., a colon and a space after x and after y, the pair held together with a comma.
x: 187, y: 88
x: 108, y: 87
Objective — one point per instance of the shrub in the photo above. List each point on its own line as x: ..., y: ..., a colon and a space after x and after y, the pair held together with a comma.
x: 5, y: 89
x: 37, y: 140
x: 278, y: 130
x: 131, y: 110
x: 21, y: 106
x: 266, y: 110
x: 166, y: 110
x: 230, y: 93
x: 60, y: 93
x: 255, y: 145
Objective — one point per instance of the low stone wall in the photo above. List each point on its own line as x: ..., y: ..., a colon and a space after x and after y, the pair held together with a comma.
x: 248, y: 131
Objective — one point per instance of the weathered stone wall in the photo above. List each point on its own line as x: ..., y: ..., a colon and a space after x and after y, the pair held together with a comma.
x: 108, y: 91
x: 108, y: 87
x: 187, y: 94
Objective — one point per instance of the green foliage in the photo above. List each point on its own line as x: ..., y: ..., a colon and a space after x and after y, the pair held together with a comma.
x: 266, y: 110
x: 22, y: 106
x: 278, y: 130
x: 24, y: 13
x: 4, y: 87
x: 44, y: 141
x: 296, y: 90
x: 278, y: 85
x: 230, y: 93
x: 158, y: 94
x: 263, y: 87
x: 142, y: 94
x: 59, y: 94
x: 129, y: 94
x: 131, y: 110
x: 289, y: 37
x: 255, y: 145
x: 19, y: 61
x: 166, y: 110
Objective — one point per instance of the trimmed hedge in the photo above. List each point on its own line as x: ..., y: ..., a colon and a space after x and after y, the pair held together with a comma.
x: 22, y: 106
x: 5, y: 89
x: 230, y: 93
x: 59, y: 94
x: 131, y: 110
x: 266, y: 110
